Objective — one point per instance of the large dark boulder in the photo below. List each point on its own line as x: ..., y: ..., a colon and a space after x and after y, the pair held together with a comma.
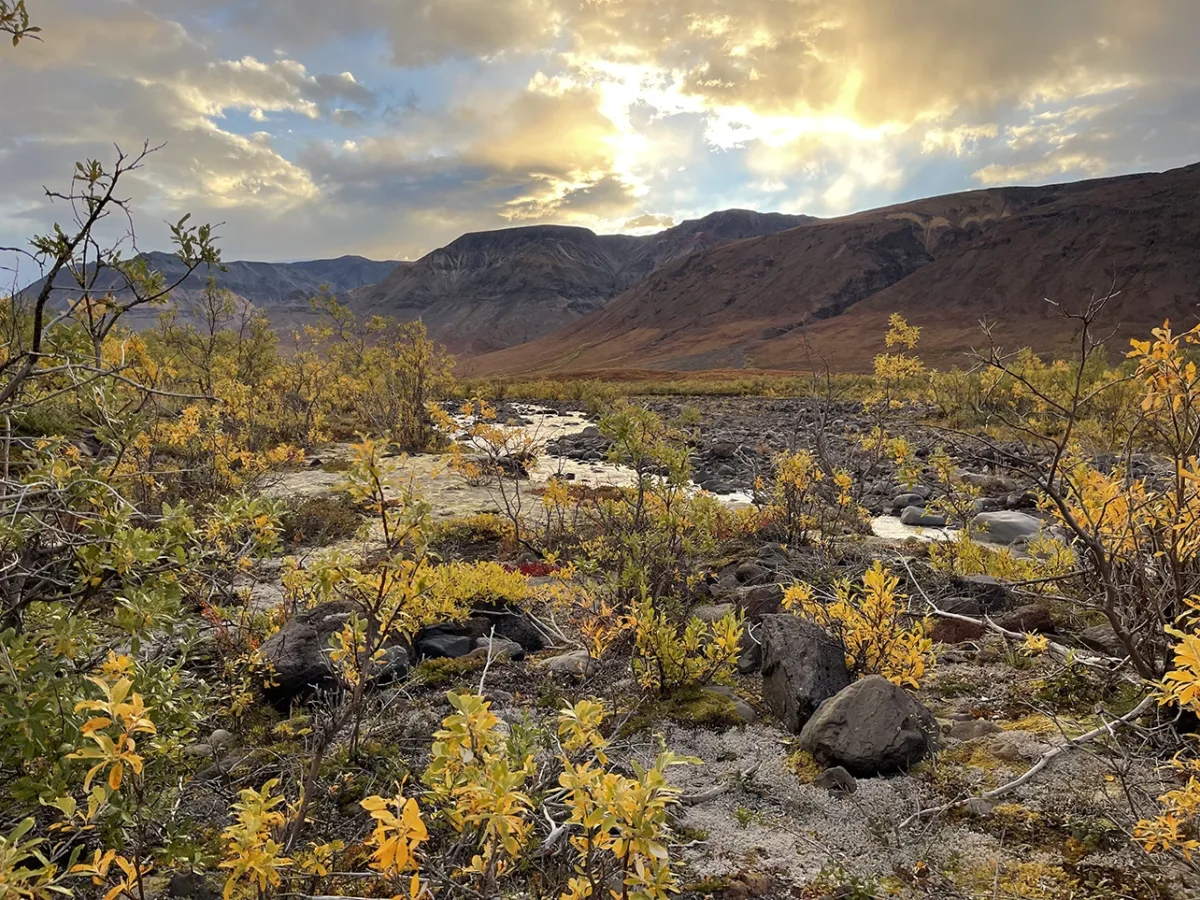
x: 513, y: 626
x: 870, y: 728
x: 802, y: 667
x: 299, y: 651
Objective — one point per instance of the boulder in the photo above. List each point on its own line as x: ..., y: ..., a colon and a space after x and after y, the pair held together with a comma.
x: 1006, y: 527
x: 444, y: 646
x: 752, y: 573
x: 760, y: 600
x: 591, y: 432
x: 1102, y: 639
x: 802, y: 667
x: 1034, y: 618
x: 513, y: 626
x: 299, y: 651
x: 870, y: 728
x: 916, y: 515
x: 903, y: 501
x: 992, y: 594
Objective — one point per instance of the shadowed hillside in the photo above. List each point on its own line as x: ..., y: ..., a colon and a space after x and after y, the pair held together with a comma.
x: 946, y: 263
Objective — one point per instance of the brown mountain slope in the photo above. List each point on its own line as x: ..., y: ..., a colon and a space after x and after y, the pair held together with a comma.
x: 947, y: 262
x: 493, y: 289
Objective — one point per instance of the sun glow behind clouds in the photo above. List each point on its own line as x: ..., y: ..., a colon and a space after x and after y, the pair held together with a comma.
x: 409, y: 129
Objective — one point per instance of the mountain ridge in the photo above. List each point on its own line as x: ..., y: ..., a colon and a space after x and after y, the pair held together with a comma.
x: 493, y: 289
x: 281, y: 290
x: 827, y: 287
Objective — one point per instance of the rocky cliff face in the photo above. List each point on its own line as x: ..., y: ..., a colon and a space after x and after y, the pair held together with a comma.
x: 495, y: 289
x: 822, y: 292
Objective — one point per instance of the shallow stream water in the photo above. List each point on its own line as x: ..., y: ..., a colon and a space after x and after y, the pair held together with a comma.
x: 451, y: 495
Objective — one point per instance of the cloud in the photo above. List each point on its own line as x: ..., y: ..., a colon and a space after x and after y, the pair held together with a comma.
x: 648, y: 221
x: 387, y: 127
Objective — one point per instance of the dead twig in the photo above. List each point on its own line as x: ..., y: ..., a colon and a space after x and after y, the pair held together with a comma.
x: 1108, y: 728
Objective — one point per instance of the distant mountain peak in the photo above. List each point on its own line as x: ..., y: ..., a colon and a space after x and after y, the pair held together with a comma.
x: 491, y: 289
x: 822, y: 293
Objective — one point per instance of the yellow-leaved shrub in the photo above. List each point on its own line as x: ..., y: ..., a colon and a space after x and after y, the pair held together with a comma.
x: 872, y: 623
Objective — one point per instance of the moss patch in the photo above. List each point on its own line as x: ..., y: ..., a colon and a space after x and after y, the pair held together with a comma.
x: 690, y: 706
x: 443, y: 672
x: 803, y: 766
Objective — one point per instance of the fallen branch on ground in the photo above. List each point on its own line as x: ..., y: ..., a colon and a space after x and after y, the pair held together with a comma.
x: 1108, y: 728
x: 716, y: 791
x: 1061, y: 652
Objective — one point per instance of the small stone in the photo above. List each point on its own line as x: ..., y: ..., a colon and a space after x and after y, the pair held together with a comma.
x: 712, y: 612
x: 591, y: 432
x: 220, y: 739
x: 1031, y: 619
x: 1015, y: 746
x: 837, y: 781
x: 750, y: 649
x: 576, y: 662
x: 955, y: 631
x: 723, y: 450
x: 501, y: 648
x: 444, y: 646
x: 751, y: 573
x: 978, y: 807
x: 744, y: 710
x: 990, y: 593
x: 976, y: 728
x: 392, y: 666
x: 916, y: 515
x: 190, y: 886
x: 760, y: 600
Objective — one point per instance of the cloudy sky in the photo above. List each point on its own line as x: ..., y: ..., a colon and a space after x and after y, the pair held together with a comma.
x: 313, y: 128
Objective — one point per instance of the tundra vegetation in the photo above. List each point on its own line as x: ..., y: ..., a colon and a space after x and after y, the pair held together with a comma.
x: 208, y: 684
